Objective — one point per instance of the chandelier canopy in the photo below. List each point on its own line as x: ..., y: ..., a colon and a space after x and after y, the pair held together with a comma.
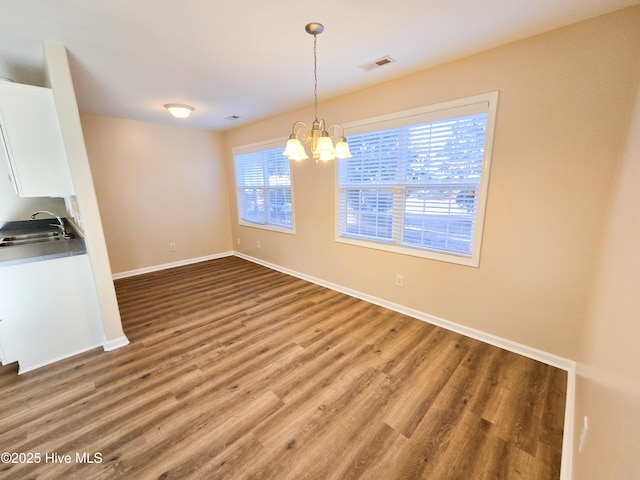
x: 322, y: 144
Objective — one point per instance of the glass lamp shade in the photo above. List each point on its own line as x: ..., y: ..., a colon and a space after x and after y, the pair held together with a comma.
x: 342, y: 149
x: 294, y: 149
x: 324, y: 149
x: 179, y: 111
x: 299, y: 156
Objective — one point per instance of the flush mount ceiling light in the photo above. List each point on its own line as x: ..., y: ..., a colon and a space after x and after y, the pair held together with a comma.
x: 321, y: 142
x: 178, y: 110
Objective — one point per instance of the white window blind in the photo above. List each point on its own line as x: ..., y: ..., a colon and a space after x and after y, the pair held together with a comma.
x: 263, y: 182
x: 418, y: 188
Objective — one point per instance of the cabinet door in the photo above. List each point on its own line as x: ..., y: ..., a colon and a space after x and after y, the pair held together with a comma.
x: 49, y: 311
x: 32, y: 141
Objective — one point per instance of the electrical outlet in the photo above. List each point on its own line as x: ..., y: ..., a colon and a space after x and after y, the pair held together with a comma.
x: 238, y: 240
x: 172, y: 247
x: 258, y: 244
x: 399, y: 280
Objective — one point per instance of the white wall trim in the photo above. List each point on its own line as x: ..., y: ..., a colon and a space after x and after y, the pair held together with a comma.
x: 566, y: 471
x: 545, y: 357
x: 29, y: 368
x: 115, y: 343
x: 510, y: 345
x: 164, y: 266
x: 515, y: 347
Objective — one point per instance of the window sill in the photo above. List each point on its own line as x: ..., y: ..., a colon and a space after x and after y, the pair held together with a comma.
x: 273, y: 228
x: 469, y: 261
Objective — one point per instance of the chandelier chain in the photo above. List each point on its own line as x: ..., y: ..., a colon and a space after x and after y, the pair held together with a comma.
x: 315, y: 78
x: 322, y: 142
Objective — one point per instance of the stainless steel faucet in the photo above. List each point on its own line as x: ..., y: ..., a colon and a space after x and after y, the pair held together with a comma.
x: 61, y: 223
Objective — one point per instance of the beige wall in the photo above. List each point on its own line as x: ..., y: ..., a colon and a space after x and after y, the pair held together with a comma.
x: 608, y: 382
x: 157, y: 185
x: 564, y: 103
x: 546, y: 273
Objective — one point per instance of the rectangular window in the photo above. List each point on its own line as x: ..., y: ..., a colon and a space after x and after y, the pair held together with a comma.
x: 417, y: 181
x: 263, y: 181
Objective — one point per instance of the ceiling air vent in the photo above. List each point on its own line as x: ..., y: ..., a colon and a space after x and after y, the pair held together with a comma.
x: 380, y: 62
x: 232, y: 117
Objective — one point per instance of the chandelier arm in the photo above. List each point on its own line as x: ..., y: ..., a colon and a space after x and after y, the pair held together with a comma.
x: 299, y: 122
x: 335, y: 125
x: 303, y: 128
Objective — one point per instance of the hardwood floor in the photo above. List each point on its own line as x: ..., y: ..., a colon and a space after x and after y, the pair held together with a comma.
x: 236, y: 371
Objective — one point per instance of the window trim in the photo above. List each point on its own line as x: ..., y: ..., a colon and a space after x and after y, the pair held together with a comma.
x: 257, y: 147
x: 421, y: 115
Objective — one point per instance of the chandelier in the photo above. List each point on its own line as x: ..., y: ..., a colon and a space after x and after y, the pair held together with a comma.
x: 322, y: 147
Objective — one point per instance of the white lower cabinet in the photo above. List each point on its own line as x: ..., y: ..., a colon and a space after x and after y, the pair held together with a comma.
x: 49, y: 310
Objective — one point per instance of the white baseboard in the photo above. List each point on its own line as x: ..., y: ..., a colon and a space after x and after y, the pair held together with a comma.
x: 525, y: 350
x: 519, y: 348
x: 545, y: 357
x: 115, y: 343
x: 164, y: 266
x: 29, y: 368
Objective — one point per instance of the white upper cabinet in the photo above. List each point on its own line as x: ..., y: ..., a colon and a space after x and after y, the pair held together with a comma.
x: 31, y: 141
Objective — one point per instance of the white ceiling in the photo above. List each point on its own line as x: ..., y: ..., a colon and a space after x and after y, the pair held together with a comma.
x: 253, y: 58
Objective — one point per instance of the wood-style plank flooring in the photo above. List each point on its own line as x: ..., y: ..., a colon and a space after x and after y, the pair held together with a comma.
x: 236, y: 371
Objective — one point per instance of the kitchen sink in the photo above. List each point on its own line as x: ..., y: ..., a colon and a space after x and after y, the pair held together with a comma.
x: 28, y: 238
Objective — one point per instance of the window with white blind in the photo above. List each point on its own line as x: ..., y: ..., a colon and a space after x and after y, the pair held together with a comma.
x: 417, y: 181
x: 263, y: 182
